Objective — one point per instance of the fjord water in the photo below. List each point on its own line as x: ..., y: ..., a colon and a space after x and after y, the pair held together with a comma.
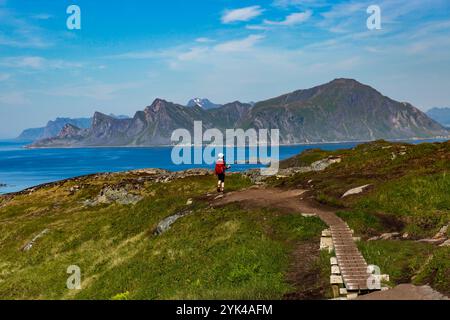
x: 22, y: 168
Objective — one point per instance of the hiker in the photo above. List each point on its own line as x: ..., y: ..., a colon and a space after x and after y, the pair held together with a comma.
x: 221, y: 168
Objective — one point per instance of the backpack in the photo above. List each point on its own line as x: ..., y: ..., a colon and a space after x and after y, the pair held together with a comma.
x: 220, y: 167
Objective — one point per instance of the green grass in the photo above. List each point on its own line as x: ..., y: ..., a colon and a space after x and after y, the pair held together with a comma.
x: 409, y: 193
x: 437, y: 271
x: 226, y: 253
x: 408, y: 261
x: 400, y: 259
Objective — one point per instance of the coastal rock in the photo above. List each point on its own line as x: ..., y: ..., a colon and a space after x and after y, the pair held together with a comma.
x: 325, y: 163
x: 30, y: 244
x: 110, y: 195
x: 165, y: 224
x: 255, y: 176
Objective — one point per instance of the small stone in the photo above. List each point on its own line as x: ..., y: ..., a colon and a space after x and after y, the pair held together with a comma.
x: 189, y: 202
x: 389, y: 236
x: 355, y: 191
x: 336, y: 280
x: 445, y: 244
x: 433, y: 241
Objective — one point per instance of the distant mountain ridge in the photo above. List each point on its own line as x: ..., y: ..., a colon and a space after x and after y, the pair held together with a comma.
x: 341, y: 110
x: 54, y: 127
x: 441, y: 115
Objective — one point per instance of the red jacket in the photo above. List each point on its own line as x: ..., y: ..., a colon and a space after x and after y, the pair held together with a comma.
x: 221, y: 166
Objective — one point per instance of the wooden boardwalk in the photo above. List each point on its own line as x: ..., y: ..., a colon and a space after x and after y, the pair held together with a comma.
x: 352, y: 264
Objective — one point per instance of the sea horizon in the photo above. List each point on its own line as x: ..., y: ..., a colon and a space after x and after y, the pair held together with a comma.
x: 23, y: 168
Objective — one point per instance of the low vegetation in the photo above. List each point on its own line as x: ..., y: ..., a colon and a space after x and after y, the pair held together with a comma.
x: 230, y: 252
x: 408, y: 193
x: 223, y: 253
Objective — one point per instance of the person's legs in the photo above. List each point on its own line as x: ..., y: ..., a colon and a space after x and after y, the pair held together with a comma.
x: 221, y: 182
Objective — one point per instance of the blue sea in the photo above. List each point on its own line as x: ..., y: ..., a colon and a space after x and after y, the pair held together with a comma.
x: 21, y: 168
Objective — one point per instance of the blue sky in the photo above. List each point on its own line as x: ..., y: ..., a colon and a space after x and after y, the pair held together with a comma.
x: 130, y: 52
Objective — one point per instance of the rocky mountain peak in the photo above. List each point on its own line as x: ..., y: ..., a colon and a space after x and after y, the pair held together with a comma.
x: 69, y: 131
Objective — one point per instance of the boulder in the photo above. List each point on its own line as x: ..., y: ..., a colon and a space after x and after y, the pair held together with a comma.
x: 389, y: 236
x: 165, y: 224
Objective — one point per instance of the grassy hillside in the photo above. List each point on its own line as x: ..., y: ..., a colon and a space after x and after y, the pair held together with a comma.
x: 229, y: 252
x: 408, y: 193
x: 226, y: 253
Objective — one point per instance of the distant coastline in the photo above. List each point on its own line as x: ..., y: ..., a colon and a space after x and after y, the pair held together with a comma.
x: 431, y: 139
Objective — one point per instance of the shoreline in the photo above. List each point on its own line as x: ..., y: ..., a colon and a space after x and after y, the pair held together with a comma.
x: 436, y: 140
x: 439, y: 139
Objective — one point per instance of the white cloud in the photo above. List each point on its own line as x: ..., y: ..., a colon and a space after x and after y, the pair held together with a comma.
x: 192, y: 54
x: 239, y: 45
x: 94, y: 90
x: 20, y: 33
x: 345, y: 10
x: 292, y: 19
x: 242, y: 14
x: 203, y: 40
x: 256, y: 27
x: 299, y: 3
x: 42, y: 16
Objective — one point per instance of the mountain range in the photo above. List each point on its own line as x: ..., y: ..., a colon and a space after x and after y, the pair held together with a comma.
x: 341, y: 110
x: 441, y: 115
